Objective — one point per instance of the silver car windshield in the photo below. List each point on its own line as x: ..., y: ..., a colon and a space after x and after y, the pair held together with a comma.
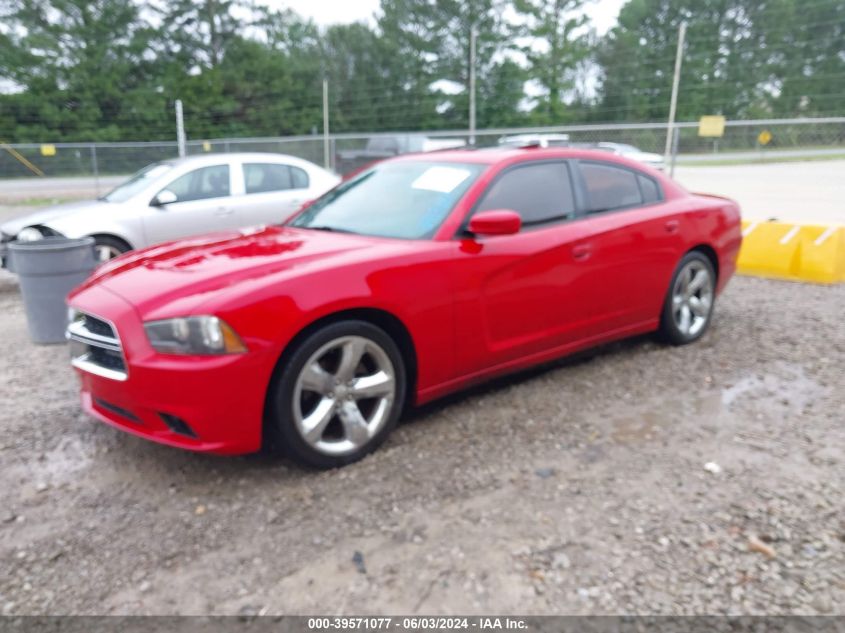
x: 404, y: 199
x: 137, y: 183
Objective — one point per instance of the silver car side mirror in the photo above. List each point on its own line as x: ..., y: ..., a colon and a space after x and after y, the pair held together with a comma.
x: 163, y: 198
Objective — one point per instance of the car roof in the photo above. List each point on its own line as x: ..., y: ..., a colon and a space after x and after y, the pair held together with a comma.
x: 213, y: 158
x: 495, y: 155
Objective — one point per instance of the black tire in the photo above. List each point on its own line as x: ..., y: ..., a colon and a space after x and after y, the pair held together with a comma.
x: 671, y: 330
x: 115, y: 246
x: 281, y: 425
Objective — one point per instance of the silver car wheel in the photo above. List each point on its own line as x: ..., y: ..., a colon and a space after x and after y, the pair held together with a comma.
x: 692, y: 298
x: 343, y: 395
x: 105, y: 252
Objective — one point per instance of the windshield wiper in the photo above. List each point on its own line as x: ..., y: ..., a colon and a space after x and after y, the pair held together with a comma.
x: 332, y: 229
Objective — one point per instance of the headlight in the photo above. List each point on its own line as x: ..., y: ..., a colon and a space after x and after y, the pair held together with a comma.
x: 29, y: 234
x: 194, y: 335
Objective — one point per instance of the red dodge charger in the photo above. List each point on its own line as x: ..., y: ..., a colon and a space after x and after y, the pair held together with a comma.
x: 419, y: 276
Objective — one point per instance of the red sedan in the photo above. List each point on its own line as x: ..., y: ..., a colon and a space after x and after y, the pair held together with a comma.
x: 417, y: 277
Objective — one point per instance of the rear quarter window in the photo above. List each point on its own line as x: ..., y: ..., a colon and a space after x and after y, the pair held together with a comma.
x: 650, y: 189
x: 299, y: 178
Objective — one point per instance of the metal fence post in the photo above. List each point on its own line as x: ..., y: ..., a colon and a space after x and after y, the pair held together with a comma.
x: 327, y: 163
x: 95, y: 168
x: 676, y: 78
x: 676, y: 139
x: 180, y: 129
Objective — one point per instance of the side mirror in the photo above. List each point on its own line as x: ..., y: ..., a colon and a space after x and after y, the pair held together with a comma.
x: 498, y: 222
x: 163, y: 198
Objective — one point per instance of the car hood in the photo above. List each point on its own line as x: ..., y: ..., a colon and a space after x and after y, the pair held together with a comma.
x: 176, y: 277
x: 45, y: 216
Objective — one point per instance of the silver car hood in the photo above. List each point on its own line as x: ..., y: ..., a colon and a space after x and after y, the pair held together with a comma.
x: 45, y: 216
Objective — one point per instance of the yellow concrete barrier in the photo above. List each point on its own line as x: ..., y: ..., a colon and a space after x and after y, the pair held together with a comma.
x: 801, y: 252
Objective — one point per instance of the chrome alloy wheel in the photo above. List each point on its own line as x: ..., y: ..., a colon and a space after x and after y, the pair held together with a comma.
x: 692, y: 298
x: 343, y: 395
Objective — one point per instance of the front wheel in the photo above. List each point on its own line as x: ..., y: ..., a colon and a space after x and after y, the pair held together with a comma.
x: 688, y: 307
x: 338, y: 396
x: 108, y: 247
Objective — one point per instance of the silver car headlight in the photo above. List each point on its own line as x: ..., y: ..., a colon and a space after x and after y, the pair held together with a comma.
x: 29, y: 234
x: 194, y: 335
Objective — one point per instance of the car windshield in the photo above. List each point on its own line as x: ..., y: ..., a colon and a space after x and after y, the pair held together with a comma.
x: 140, y: 181
x: 404, y: 199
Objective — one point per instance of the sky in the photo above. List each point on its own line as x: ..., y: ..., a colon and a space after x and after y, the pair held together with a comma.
x: 323, y: 12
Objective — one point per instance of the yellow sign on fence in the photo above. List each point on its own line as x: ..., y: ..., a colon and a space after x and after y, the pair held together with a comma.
x: 765, y: 137
x: 48, y: 150
x: 712, y: 125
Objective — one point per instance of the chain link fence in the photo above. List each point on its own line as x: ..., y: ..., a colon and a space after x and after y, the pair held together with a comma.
x: 741, y: 142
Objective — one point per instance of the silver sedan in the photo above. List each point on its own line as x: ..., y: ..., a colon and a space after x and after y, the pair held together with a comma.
x: 178, y: 198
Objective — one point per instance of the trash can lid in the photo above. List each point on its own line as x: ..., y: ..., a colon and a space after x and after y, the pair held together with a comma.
x: 51, y: 244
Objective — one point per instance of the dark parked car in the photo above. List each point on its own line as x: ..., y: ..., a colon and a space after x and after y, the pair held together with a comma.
x: 381, y: 147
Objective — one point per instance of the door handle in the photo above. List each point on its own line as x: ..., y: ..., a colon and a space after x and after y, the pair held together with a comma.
x: 582, y: 252
x: 223, y: 211
x: 672, y: 226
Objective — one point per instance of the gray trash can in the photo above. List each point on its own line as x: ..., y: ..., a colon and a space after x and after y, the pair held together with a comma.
x: 48, y: 270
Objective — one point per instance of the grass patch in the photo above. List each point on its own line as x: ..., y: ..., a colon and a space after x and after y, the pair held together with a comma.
x: 727, y: 162
x: 35, y: 202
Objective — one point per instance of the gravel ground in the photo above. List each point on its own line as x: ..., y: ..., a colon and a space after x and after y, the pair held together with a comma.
x: 641, y: 479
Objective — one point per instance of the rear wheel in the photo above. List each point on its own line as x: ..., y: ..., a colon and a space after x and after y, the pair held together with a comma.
x: 688, y: 307
x: 108, y: 247
x: 339, y: 395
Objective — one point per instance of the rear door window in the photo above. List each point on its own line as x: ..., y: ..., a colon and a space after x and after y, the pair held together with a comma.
x: 264, y: 177
x: 609, y: 187
x: 540, y: 193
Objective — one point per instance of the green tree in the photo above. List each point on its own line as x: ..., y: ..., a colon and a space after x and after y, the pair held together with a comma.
x: 727, y: 61
x: 410, y: 45
x: 500, y: 96
x: 197, y: 32
x: 81, y: 69
x: 560, y: 45
x: 357, y: 66
x: 806, y: 56
x: 432, y: 38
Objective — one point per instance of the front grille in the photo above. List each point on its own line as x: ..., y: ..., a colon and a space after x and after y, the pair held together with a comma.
x: 107, y: 358
x: 98, y: 326
x: 95, y: 347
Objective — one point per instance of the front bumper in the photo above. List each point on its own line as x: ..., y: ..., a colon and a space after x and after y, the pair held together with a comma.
x: 211, y: 404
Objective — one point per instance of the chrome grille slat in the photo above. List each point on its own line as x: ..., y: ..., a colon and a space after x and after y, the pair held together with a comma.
x: 96, y: 347
x: 79, y: 332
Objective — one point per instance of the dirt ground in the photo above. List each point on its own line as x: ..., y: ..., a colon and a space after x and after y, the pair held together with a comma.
x: 643, y: 479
